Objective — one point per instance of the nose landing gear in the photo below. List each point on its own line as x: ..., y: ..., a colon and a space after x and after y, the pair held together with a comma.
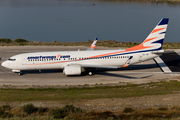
x: 18, y: 72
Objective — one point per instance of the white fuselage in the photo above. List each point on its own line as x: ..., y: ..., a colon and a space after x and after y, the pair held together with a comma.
x: 86, y: 59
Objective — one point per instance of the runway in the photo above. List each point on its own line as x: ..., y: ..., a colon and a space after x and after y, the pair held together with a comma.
x: 143, y: 72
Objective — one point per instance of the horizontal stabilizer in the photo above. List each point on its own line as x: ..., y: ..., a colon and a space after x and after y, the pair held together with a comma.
x: 158, y: 52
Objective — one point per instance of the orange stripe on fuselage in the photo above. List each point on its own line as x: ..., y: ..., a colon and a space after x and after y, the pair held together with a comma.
x: 155, y: 30
x: 139, y: 47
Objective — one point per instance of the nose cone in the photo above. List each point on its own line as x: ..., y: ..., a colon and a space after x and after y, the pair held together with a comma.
x: 5, y: 64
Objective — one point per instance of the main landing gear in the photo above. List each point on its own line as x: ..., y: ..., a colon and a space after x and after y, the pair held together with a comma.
x: 90, y: 73
x: 19, y: 73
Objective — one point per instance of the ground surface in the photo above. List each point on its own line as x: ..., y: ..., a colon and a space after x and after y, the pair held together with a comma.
x: 141, y: 73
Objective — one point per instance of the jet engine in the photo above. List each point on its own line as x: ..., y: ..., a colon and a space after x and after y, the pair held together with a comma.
x: 72, y: 70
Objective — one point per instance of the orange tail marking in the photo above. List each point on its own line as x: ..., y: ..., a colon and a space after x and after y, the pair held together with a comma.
x: 92, y: 47
x: 149, y: 39
x: 157, y: 30
x: 139, y: 47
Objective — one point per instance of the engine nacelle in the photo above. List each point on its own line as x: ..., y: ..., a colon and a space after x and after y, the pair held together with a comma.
x: 72, y: 70
x: 16, y: 71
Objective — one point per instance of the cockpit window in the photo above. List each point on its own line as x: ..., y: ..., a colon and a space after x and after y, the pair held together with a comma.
x: 11, y: 59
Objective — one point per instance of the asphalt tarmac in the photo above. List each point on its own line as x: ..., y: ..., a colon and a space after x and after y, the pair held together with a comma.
x: 172, y: 60
x: 143, y: 72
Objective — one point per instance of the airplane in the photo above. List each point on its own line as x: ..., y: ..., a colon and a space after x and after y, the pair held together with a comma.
x: 77, y: 62
x: 93, y: 45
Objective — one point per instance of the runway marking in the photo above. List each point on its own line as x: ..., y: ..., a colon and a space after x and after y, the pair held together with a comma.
x: 162, y: 65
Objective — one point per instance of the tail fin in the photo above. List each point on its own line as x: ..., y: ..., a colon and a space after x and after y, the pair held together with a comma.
x: 155, y: 39
x: 93, y: 45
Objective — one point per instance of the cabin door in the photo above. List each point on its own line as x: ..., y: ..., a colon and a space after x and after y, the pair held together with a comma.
x: 24, y: 60
x: 140, y: 57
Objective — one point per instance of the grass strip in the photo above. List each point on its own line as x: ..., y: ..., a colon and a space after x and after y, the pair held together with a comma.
x: 89, y: 93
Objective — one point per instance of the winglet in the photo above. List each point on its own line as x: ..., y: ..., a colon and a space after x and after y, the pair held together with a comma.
x: 127, y: 63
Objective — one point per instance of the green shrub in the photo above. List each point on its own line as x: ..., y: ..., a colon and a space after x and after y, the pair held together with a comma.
x: 163, y: 108
x: 5, y: 40
x: 72, y: 109
x: 63, y: 112
x: 110, y: 118
x: 128, y: 110
x: 29, y: 108
x: 22, y: 44
x: 1, y: 112
x: 41, y: 110
x: 58, y: 113
x: 106, y: 114
x: 4, y: 114
x: 20, y: 40
x: 6, y: 107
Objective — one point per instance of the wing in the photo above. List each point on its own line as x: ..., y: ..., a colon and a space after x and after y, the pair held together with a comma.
x: 126, y: 64
x: 97, y: 66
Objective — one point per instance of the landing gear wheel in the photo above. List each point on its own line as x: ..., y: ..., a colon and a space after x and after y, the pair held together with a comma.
x: 20, y: 73
x: 90, y: 73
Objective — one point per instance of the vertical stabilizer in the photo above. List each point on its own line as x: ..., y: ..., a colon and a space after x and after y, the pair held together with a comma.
x: 93, y: 45
x: 155, y: 39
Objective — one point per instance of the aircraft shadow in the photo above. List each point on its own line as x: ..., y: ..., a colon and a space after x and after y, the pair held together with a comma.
x: 133, y: 67
x: 122, y: 76
x: 102, y: 71
x: 42, y: 71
